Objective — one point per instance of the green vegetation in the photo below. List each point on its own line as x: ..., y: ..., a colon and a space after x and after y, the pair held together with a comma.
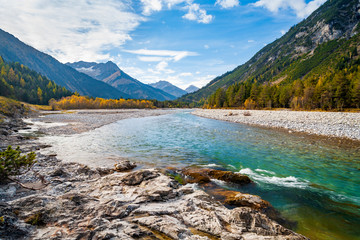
x: 11, y: 108
x: 303, y: 69
x: 20, y: 83
x: 12, y: 163
x: 36, y: 219
x: 328, y: 79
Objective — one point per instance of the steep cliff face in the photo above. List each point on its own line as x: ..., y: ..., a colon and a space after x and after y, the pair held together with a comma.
x: 332, y: 25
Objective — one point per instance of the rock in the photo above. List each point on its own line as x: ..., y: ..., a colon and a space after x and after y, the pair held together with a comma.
x: 140, y: 204
x: 124, y: 166
x: 59, y: 172
x: 196, y: 176
x: 203, y: 175
x: 4, y: 132
x: 228, y: 176
x: 10, y: 226
x: 168, y: 225
x: 247, y: 200
x: 104, y: 171
x: 137, y: 177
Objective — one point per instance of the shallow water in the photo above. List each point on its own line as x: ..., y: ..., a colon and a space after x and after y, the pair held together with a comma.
x: 315, y: 184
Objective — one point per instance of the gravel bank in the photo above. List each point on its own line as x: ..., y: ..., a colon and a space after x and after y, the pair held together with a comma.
x: 78, y: 121
x: 334, y: 124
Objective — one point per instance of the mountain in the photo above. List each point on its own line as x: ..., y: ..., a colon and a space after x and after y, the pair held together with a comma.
x: 20, y: 83
x: 318, y: 47
x: 13, y: 50
x: 111, y: 74
x: 169, y: 88
x: 191, y: 89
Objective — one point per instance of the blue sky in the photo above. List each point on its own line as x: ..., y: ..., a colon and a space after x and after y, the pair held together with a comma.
x: 182, y: 41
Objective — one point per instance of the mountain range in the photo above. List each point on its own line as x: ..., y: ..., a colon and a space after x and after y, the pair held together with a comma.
x: 111, y: 74
x: 317, y: 46
x: 169, y: 88
x: 105, y: 80
x: 191, y: 89
x: 13, y: 50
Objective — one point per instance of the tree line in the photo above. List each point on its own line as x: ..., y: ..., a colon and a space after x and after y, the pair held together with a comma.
x: 20, y: 83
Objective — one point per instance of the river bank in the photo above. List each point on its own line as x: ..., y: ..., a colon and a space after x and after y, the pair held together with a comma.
x: 79, y: 121
x: 330, y: 124
x: 75, y: 201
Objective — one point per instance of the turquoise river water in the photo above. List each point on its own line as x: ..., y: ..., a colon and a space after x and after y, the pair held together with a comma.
x: 315, y: 184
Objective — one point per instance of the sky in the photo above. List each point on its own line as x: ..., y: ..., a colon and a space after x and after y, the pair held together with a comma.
x: 181, y: 41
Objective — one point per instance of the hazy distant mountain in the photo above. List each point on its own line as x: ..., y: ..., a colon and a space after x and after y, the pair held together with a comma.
x: 191, y: 89
x: 111, y: 74
x: 169, y: 88
x: 13, y: 50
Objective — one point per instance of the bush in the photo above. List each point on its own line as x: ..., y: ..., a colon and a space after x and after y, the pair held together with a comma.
x: 12, y: 163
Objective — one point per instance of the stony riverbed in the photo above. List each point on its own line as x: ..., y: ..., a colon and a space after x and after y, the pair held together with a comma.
x: 334, y: 124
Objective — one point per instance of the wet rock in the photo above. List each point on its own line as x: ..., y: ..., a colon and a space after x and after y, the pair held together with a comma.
x: 247, y: 200
x: 228, y: 176
x: 196, y: 176
x: 124, y: 166
x: 204, y: 175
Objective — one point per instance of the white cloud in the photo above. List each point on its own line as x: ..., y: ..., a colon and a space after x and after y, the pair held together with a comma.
x: 301, y: 8
x: 152, y: 59
x: 70, y: 30
x: 162, y: 67
x: 195, y: 13
x: 227, y: 3
x: 282, y: 32
x: 172, y: 55
x: 251, y: 41
x: 206, y: 46
x: 186, y: 74
x: 150, y: 6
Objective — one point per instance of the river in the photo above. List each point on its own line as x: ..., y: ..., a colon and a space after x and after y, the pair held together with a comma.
x: 313, y: 183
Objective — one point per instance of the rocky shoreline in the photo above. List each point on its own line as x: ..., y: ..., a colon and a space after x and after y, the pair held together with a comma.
x: 330, y: 124
x: 74, y: 201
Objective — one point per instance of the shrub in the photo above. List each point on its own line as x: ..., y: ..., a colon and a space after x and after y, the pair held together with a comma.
x: 13, y: 163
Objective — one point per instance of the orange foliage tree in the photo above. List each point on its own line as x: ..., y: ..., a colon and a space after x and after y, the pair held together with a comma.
x: 81, y: 102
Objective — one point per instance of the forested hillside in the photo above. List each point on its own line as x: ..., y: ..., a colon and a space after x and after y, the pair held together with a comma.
x: 20, y: 83
x: 13, y: 50
x: 334, y: 84
x: 314, y: 65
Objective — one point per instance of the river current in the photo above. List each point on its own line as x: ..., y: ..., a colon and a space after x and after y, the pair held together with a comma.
x: 313, y: 183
